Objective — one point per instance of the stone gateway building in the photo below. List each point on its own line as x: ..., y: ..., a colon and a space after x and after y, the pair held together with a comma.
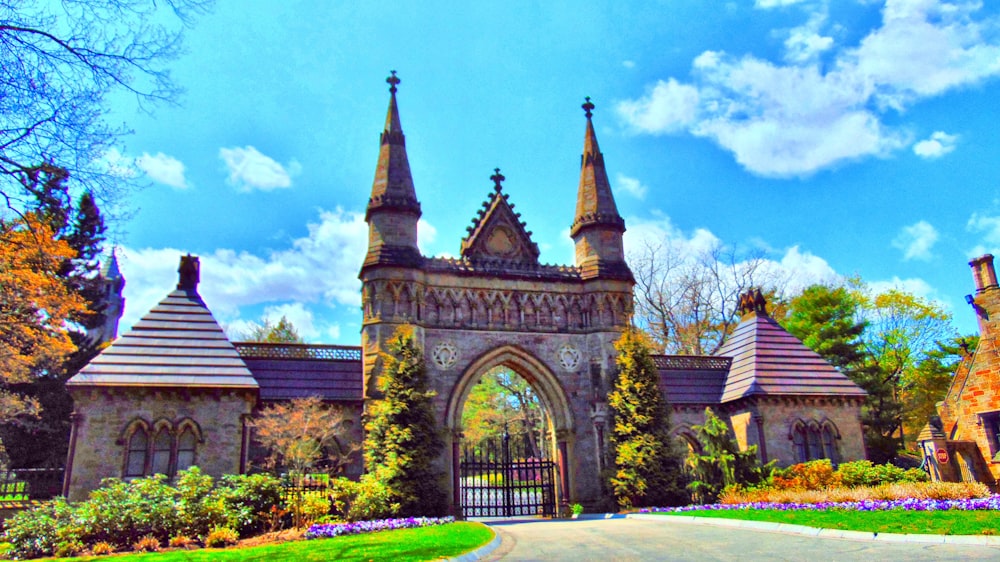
x: 175, y: 392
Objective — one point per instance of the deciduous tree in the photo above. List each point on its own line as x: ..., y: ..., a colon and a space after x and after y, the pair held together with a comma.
x: 282, y: 332
x: 648, y: 464
x: 502, y: 398
x: 35, y: 305
x: 687, y: 298
x: 60, y: 63
x: 305, y: 433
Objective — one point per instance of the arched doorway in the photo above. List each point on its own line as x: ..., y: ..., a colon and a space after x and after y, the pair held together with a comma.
x: 505, y: 477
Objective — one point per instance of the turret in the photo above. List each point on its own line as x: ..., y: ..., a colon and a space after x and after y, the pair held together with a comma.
x: 597, y: 229
x: 112, y: 303
x: 393, y: 209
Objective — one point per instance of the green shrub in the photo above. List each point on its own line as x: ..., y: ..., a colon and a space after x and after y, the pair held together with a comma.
x: 199, y: 504
x: 40, y: 531
x: 123, y: 512
x: 366, y: 499
x: 310, y: 507
x: 865, y: 473
x: 248, y: 499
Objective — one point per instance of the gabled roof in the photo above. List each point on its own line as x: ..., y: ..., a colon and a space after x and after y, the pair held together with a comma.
x: 177, y: 344
x: 497, y: 233
x: 767, y: 360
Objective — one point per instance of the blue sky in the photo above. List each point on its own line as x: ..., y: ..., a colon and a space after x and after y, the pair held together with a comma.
x: 841, y: 138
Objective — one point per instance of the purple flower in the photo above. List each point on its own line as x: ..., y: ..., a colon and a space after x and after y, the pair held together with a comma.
x: 330, y: 530
x: 907, y: 504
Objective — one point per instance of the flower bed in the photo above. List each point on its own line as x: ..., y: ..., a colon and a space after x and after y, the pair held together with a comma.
x: 909, y: 504
x: 329, y: 530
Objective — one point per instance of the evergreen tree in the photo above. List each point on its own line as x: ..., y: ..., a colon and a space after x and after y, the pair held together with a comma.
x: 825, y: 319
x: 648, y: 466
x: 720, y: 462
x: 402, y: 441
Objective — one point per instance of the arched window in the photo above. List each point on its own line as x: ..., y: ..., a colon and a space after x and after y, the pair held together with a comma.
x: 135, y: 458
x: 799, y: 442
x: 162, y: 445
x: 815, y: 444
x: 186, y: 443
x: 830, y: 444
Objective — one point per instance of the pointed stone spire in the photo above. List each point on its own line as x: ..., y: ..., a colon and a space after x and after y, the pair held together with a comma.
x: 393, y: 208
x: 597, y: 229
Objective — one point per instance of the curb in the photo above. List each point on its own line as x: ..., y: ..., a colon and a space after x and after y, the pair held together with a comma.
x: 479, y: 552
x: 820, y: 533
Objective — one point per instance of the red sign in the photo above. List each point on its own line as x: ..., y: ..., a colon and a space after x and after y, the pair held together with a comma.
x: 941, y: 455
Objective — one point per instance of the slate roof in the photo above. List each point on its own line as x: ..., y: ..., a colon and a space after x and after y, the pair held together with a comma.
x: 177, y: 344
x: 768, y: 360
x: 288, y: 371
x: 686, y: 379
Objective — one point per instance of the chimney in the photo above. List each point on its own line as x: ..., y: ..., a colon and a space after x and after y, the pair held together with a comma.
x: 189, y: 273
x: 983, y: 273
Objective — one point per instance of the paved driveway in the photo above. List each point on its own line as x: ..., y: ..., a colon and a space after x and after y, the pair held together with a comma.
x: 633, y: 539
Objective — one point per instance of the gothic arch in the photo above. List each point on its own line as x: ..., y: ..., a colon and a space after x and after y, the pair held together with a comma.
x: 542, y: 379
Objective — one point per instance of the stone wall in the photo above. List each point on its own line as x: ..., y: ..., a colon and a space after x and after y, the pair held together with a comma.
x: 102, y: 416
x: 779, y: 413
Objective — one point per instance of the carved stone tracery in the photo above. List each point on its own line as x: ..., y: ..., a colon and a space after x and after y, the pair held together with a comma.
x: 512, y: 310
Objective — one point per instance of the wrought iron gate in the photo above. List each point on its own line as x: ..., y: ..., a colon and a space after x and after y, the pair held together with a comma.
x: 500, y: 479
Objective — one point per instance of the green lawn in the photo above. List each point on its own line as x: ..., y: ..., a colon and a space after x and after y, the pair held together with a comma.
x: 892, y: 521
x: 425, y: 543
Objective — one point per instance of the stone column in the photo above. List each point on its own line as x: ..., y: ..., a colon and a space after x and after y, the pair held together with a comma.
x: 456, y: 474
x: 562, y: 436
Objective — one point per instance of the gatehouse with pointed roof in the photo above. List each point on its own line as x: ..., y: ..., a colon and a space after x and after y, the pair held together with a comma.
x: 175, y: 391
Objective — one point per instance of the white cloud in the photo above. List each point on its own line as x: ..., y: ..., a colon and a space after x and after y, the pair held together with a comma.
x: 118, y: 164
x: 989, y: 227
x: 939, y: 144
x: 803, y: 269
x: 913, y: 285
x: 628, y: 63
x: 804, y: 43
x: 767, y: 4
x: 794, y: 118
x: 916, y: 241
x: 249, y: 169
x: 669, y: 106
x: 632, y: 186
x: 320, y: 267
x: 164, y: 169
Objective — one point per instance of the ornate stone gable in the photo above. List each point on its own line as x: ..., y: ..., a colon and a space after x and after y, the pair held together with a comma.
x: 497, y: 234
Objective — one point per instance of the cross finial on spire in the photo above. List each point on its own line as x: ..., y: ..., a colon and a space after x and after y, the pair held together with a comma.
x: 497, y: 177
x: 392, y: 81
x: 588, y: 107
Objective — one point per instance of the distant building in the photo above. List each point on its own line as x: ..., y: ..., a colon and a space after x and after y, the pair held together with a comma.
x: 112, y: 285
x: 962, y: 444
x: 174, y: 391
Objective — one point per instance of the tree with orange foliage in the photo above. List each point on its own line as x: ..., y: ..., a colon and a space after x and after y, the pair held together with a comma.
x: 35, y: 305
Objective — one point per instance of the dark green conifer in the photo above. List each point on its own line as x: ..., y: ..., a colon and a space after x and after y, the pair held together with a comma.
x: 402, y: 440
